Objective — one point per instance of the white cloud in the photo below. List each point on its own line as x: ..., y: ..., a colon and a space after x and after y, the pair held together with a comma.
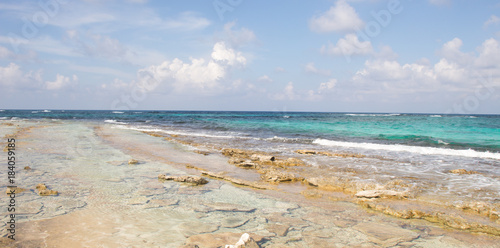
x: 348, y: 46
x: 451, y: 51
x: 265, y: 78
x: 309, y: 67
x: 489, y: 54
x: 61, y: 82
x: 339, y: 18
x: 454, y: 72
x: 12, y: 77
x: 492, y: 21
x: 5, y: 53
x: 449, y: 72
x: 327, y: 86
x: 227, y: 55
x: 199, y: 75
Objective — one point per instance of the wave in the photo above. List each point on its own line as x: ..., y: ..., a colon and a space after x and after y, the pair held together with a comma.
x: 372, y: 115
x: 115, y: 122
x: 46, y: 111
x: 436, y: 116
x: 1, y: 110
x: 117, y: 112
x: 169, y: 132
x: 412, y: 149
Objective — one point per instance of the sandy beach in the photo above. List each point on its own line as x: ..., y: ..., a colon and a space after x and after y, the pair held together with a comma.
x: 103, y: 201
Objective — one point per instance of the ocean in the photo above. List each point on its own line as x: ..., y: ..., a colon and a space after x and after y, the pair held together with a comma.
x: 454, y: 135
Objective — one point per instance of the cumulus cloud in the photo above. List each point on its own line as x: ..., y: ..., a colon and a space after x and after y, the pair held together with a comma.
x: 199, y: 74
x: 61, y: 82
x: 310, y: 68
x: 14, y: 78
x: 493, y: 20
x: 348, y: 46
x: 455, y: 71
x: 339, y: 18
x: 221, y: 53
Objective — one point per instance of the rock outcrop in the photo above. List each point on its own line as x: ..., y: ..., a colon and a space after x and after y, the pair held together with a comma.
x: 44, y: 191
x: 462, y: 172
x: 196, y: 180
x: 245, y: 242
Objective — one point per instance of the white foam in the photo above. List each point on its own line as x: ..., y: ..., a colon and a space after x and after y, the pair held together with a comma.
x: 413, y: 149
x: 436, y: 116
x: 46, y: 111
x: 117, y: 112
x: 115, y: 122
x: 170, y: 132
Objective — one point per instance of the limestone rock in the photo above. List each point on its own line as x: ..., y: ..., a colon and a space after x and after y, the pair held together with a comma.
x: 27, y: 168
x: 15, y: 190
x: 462, y: 172
x: 245, y: 242
x: 233, y: 222
x: 40, y: 186
x: 237, y: 180
x: 44, y: 191
x: 384, y: 234
x: 244, y: 163
x: 133, y: 161
x: 216, y: 240
x: 202, y: 152
x: 231, y: 152
x: 381, y: 194
x: 47, y: 192
x: 273, y: 175
x: 279, y: 229
x: 196, y: 180
x: 262, y: 158
x: 228, y: 207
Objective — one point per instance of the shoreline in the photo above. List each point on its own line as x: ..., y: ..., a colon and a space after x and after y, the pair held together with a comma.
x: 395, y: 198
x: 275, y: 217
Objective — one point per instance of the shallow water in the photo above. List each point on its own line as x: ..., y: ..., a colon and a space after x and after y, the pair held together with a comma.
x: 105, y: 202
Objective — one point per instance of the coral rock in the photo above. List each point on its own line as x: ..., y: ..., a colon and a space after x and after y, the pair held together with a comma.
x: 462, y: 172
x: 196, y: 180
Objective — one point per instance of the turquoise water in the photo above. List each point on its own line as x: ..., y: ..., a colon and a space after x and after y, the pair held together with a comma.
x: 459, y: 132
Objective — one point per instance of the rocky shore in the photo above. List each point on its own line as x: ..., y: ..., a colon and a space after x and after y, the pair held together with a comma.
x: 181, y: 194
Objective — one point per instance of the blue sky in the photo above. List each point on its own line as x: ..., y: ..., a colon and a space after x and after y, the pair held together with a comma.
x: 433, y: 56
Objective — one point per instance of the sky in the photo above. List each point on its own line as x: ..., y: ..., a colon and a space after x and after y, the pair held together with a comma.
x: 393, y: 56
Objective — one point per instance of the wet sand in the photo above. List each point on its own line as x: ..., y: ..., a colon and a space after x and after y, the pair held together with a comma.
x: 104, y: 201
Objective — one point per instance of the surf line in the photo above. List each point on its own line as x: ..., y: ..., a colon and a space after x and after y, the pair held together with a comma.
x: 11, y: 188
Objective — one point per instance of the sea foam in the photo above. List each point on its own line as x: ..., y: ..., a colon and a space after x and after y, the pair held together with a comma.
x: 413, y: 149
